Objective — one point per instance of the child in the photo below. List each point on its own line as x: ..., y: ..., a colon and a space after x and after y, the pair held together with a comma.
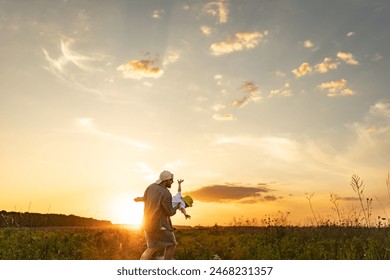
x: 178, y: 202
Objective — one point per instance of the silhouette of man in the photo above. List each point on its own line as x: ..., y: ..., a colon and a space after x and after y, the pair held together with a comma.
x: 156, y: 221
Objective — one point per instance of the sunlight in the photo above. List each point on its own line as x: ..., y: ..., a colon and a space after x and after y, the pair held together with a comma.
x: 126, y: 211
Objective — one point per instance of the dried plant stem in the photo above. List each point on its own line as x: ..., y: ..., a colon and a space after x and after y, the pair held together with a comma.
x: 334, y: 200
x: 388, y: 185
x: 308, y: 197
x: 358, y: 187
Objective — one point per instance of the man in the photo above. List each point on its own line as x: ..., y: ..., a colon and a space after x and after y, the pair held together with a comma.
x: 157, y: 222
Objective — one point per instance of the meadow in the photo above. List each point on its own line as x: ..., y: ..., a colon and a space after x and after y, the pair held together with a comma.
x: 346, y: 236
x: 201, y: 243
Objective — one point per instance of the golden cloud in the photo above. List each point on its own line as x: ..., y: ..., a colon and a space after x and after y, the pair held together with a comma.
x: 308, y: 44
x: 218, y: 9
x: 302, y: 70
x: 348, y: 58
x: 284, y: 91
x: 336, y: 88
x: 326, y: 65
x: 138, y: 69
x: 252, y: 94
x: 238, y: 42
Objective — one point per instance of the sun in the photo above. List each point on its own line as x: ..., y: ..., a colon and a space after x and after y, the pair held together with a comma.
x: 126, y: 211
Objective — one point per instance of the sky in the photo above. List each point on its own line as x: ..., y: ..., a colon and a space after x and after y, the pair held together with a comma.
x: 264, y: 108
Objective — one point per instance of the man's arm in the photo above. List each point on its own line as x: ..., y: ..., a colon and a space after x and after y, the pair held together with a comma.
x: 167, y: 206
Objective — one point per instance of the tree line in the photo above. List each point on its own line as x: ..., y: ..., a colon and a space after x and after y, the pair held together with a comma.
x: 18, y: 219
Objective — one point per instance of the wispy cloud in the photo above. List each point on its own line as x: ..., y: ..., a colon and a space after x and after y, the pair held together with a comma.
x: 237, y: 193
x: 149, y: 174
x: 87, y: 125
x: 170, y: 58
x: 378, y: 56
x: 284, y: 91
x: 70, y: 65
x: 273, y: 148
x: 252, y: 94
x: 219, y: 107
x: 336, y: 88
x: 157, y: 14
x: 206, y: 30
x: 237, y: 42
x: 217, y: 9
x: 224, y: 117
x: 381, y: 108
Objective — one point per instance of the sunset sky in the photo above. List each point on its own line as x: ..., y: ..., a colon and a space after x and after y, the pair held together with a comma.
x: 255, y: 104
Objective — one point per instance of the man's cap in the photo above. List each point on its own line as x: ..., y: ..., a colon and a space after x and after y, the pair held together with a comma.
x: 165, y: 175
x: 188, y: 200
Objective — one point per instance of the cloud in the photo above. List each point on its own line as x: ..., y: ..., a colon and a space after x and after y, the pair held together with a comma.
x: 170, y: 58
x: 72, y: 67
x: 284, y: 91
x: 149, y: 67
x: 252, y: 94
x: 377, y: 57
x: 381, y: 109
x: 232, y: 193
x: 336, y: 88
x: 206, y: 30
x: 278, y: 73
x: 238, y: 42
x: 303, y: 70
x: 271, y: 148
x: 218, y: 9
x: 348, y: 58
x: 224, y: 117
x: 87, y: 125
x: 308, y: 44
x: 219, y: 107
x: 326, y: 65
x: 157, y: 14
x: 148, y: 173
x: 138, y: 69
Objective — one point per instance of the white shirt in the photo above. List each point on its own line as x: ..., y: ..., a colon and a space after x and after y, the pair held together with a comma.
x: 177, y: 200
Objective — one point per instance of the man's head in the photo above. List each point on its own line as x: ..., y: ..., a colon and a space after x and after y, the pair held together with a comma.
x: 166, y: 178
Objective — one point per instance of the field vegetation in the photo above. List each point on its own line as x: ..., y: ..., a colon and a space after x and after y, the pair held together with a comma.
x: 351, y: 236
x: 202, y: 243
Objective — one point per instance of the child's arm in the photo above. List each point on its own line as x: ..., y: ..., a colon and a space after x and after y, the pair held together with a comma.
x: 179, y: 182
x: 139, y: 199
x: 183, y: 210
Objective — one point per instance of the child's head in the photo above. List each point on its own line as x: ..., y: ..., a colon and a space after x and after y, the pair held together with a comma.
x: 188, y: 201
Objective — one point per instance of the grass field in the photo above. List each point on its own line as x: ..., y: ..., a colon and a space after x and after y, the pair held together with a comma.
x: 244, y: 243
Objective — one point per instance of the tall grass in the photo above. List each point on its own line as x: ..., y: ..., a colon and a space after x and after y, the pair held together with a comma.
x: 350, y: 236
x: 232, y: 243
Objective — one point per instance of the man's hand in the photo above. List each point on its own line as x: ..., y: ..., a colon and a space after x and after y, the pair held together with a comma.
x: 180, y: 181
x: 188, y: 216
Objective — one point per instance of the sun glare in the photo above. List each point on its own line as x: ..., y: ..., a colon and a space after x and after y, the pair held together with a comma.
x: 126, y: 211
